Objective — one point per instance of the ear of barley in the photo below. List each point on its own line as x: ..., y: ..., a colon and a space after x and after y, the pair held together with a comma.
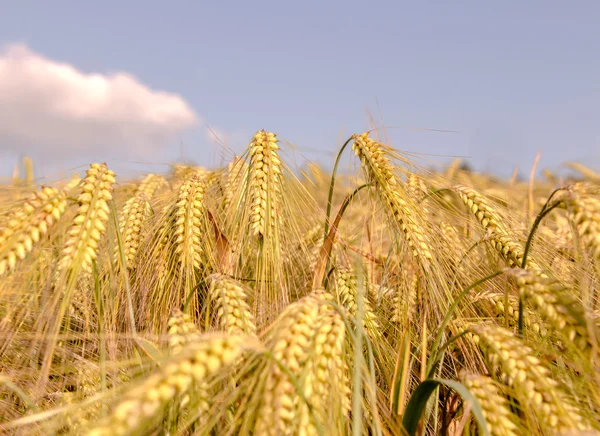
x: 232, y: 310
x: 415, y: 187
x: 179, y: 251
x: 314, y: 235
x: 142, y: 407
x: 182, y: 171
x: 494, y: 405
x: 256, y: 227
x: 512, y: 251
x: 453, y: 243
x: 325, y: 378
x: 151, y: 184
x: 88, y: 226
x: 453, y: 168
x: 159, y: 270
x: 509, y: 309
x: 307, y: 339
x: 264, y: 183
x: 405, y: 299
x: 509, y: 249
x: 182, y: 330
x: 379, y: 171
x: 451, y: 235
x: 291, y: 346
x: 132, y: 222
x: 585, y: 171
x: 531, y: 381
x: 204, y: 173
x: 584, y: 209
x: 318, y: 174
x: 550, y: 299
x: 237, y: 171
x: 331, y: 384
x: 346, y: 288
x: 478, y: 205
x: 80, y: 250
x: 73, y: 183
x: 210, y: 178
x: 190, y: 216
x: 26, y: 225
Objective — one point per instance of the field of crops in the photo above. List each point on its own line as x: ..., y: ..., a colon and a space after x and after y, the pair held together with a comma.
x: 268, y: 297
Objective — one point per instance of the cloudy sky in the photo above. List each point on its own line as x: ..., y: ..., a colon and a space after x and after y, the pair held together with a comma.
x: 133, y: 83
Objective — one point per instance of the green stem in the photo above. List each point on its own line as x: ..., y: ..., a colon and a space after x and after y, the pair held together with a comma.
x: 439, y: 353
x: 332, y: 184
x: 357, y: 394
x: 545, y: 211
x: 450, y: 312
x: 420, y: 398
x: 341, y: 212
x: 101, y: 332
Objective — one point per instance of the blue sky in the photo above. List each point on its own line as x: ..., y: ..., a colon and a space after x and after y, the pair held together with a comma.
x: 512, y: 78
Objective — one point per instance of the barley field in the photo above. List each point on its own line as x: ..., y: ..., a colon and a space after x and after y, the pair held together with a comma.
x: 268, y: 297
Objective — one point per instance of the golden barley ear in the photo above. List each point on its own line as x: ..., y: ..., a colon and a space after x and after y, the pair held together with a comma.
x: 198, y: 361
x: 180, y: 251
x: 229, y: 298
x: 375, y: 160
x: 28, y: 224
x: 584, y: 210
x: 555, y: 304
x: 88, y: 226
x: 346, y: 290
x: 132, y: 225
x: 237, y: 171
x: 80, y: 251
x: 152, y: 185
x: 529, y: 378
x: 307, y: 340
x: 510, y: 251
x: 256, y: 225
x: 265, y: 189
x: 496, y: 408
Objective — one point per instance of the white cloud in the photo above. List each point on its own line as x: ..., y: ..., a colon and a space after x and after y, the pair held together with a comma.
x: 52, y: 108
